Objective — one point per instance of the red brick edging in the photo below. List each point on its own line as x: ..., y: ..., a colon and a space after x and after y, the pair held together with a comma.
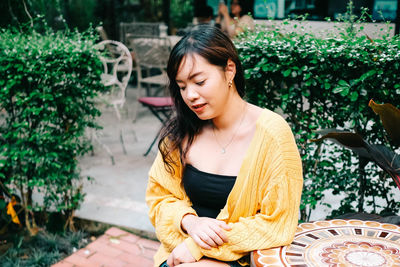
x: 116, y: 248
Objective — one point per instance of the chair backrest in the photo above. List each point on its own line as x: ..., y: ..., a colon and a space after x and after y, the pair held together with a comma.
x: 150, y: 52
x: 102, y: 33
x: 144, y: 29
x: 117, y: 62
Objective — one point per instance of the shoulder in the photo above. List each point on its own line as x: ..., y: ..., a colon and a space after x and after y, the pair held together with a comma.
x: 173, y: 167
x: 277, y: 142
x: 273, y: 128
x: 246, y: 20
x: 272, y: 123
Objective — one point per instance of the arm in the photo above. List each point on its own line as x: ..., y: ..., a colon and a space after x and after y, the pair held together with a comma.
x: 206, y: 232
x: 274, y: 226
x: 225, y: 20
x: 244, y: 23
x: 172, y: 215
x: 278, y: 188
x: 167, y: 203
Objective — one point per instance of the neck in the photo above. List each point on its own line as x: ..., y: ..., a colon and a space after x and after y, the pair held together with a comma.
x: 232, y: 114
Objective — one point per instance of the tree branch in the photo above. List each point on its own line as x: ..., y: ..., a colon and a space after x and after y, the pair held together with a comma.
x: 27, y: 13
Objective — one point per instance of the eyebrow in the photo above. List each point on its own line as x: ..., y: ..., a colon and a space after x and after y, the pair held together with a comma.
x: 191, y: 76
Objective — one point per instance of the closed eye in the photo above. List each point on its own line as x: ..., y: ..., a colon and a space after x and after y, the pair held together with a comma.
x: 200, y: 83
x: 181, y: 87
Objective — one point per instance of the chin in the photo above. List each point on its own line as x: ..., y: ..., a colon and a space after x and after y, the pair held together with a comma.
x: 203, y: 116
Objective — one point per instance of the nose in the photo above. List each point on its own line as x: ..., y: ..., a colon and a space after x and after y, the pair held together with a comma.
x: 191, y: 93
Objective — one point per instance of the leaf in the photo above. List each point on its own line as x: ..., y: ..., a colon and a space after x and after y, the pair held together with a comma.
x: 353, y: 96
x: 381, y: 155
x: 387, y: 160
x: 343, y: 88
x: 367, y: 74
x: 11, y: 211
x: 349, y: 140
x: 390, y: 117
x: 327, y: 85
x: 286, y: 73
x: 343, y: 83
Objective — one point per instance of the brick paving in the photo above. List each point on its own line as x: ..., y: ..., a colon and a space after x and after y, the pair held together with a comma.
x: 116, y: 248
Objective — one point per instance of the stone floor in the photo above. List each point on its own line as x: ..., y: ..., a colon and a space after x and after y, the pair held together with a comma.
x: 115, y: 194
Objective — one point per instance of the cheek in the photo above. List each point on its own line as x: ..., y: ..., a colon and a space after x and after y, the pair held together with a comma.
x: 183, y: 95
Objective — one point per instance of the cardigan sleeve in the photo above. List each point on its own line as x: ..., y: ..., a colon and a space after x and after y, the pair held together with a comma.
x: 276, y: 220
x: 272, y: 228
x: 167, y: 204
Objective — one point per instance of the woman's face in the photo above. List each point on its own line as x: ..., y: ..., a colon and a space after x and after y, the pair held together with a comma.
x: 203, y: 86
x: 236, y: 8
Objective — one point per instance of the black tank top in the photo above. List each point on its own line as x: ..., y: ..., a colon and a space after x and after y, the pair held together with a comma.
x: 208, y: 192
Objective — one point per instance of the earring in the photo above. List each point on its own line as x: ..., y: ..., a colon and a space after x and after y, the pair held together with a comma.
x: 230, y: 84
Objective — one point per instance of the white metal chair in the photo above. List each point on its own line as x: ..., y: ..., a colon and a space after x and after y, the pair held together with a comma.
x: 151, y: 57
x: 117, y: 63
x: 150, y: 29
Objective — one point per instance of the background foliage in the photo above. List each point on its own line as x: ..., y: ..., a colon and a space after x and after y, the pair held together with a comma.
x: 48, y: 82
x: 80, y: 14
x: 327, y: 83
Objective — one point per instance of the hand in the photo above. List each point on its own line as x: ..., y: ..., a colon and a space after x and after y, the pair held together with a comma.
x: 223, y: 9
x: 206, y: 232
x: 180, y: 254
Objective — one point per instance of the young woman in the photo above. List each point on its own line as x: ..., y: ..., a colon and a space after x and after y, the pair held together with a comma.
x: 227, y: 179
x: 240, y: 21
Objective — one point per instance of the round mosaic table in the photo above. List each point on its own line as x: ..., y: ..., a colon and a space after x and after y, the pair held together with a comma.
x: 336, y: 243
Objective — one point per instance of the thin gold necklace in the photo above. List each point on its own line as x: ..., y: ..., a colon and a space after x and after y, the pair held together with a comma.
x: 223, y: 148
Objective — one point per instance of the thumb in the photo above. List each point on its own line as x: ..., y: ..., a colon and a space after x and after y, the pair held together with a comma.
x: 170, y: 262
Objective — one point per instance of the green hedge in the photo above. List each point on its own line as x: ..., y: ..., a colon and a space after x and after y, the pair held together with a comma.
x: 326, y: 83
x: 47, y: 85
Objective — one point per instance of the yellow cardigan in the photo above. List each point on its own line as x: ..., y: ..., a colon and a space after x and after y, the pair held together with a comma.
x: 262, y: 208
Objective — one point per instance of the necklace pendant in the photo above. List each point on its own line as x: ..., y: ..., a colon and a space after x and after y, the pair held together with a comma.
x: 223, y: 150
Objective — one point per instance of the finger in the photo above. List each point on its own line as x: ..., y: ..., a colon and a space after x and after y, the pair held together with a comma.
x: 176, y: 261
x: 217, y: 239
x: 170, y: 261
x: 220, y: 236
x: 200, y: 242
x: 214, y: 233
x: 207, y: 239
x: 224, y: 225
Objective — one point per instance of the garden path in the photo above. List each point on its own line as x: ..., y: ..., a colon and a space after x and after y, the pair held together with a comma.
x: 116, y: 193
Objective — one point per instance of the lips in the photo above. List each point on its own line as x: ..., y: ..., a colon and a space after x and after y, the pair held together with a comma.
x: 198, y: 107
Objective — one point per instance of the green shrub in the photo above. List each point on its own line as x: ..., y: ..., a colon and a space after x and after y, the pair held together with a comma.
x: 44, y: 249
x: 326, y: 83
x: 47, y: 85
x: 181, y: 13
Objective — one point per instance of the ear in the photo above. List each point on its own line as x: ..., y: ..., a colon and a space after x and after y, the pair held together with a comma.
x: 230, y: 70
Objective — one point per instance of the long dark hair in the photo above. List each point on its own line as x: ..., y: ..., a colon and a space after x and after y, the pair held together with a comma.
x: 214, y: 46
x: 244, y: 5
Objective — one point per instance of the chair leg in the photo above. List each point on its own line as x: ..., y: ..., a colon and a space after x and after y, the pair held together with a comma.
x: 152, y: 143
x: 121, y: 139
x: 135, y: 109
x: 135, y: 139
x: 162, y: 115
x: 104, y: 146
